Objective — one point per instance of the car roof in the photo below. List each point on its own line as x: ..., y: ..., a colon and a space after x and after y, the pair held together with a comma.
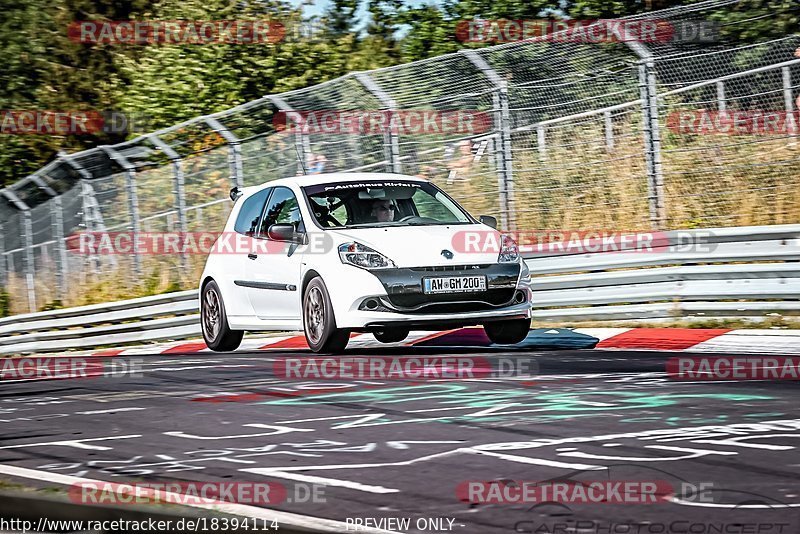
x: 316, y: 179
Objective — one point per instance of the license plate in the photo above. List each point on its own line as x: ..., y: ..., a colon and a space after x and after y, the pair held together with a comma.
x: 454, y: 284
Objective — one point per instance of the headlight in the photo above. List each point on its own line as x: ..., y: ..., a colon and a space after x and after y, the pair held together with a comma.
x: 363, y: 256
x: 509, y: 251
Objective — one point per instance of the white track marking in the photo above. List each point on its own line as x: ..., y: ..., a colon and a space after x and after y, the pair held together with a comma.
x: 315, y: 523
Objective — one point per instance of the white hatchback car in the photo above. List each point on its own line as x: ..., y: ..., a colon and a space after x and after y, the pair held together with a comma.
x: 370, y: 252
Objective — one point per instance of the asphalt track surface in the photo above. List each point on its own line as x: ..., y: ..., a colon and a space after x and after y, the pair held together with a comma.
x: 381, y: 449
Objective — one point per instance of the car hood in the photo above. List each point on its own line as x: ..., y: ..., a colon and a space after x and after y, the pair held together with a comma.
x: 422, y: 246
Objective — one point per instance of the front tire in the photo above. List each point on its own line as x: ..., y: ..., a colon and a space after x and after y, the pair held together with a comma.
x: 391, y: 335
x: 507, y: 332
x: 319, y: 323
x: 214, y: 321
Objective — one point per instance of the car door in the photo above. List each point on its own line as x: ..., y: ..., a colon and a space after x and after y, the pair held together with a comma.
x: 232, y: 258
x: 273, y: 268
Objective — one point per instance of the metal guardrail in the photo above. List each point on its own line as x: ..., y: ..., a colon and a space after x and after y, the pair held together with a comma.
x: 745, y: 272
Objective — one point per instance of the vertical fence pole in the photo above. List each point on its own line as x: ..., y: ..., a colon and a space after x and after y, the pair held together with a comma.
x: 302, y: 147
x: 500, y: 161
x: 390, y: 141
x: 133, y: 206
x: 541, y: 141
x: 133, y: 211
x: 652, y: 134
x: 652, y: 143
x: 505, y: 171
x: 234, y: 150
x: 791, y: 123
x: 27, y: 244
x: 30, y: 267
x: 609, y: 130
x: 722, y: 104
x: 57, y: 220
x: 3, y: 274
x: 179, y: 183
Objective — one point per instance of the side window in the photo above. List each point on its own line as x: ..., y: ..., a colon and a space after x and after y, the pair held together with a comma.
x: 250, y: 213
x: 281, y: 209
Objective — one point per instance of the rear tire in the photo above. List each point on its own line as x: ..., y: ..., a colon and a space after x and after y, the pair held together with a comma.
x: 319, y: 323
x: 508, y: 332
x: 217, y: 332
x: 391, y: 335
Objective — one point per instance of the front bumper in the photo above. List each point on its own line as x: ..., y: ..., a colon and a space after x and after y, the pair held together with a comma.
x: 397, y: 299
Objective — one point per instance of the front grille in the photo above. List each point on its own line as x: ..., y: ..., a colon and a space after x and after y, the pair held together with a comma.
x: 448, y: 268
x: 484, y: 300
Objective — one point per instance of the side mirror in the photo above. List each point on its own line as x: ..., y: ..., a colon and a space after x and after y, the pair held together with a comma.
x: 236, y: 193
x: 284, y: 232
x: 488, y: 221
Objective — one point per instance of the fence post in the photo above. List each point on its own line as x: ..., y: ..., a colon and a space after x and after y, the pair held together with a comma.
x: 391, y: 143
x: 722, y: 104
x: 234, y: 152
x: 133, y: 206
x: 791, y: 123
x: 57, y: 219
x: 3, y: 273
x: 505, y: 173
x: 57, y: 225
x: 541, y: 141
x: 180, y: 192
x: 27, y: 239
x: 302, y: 147
x: 652, y: 134
x: 609, y: 130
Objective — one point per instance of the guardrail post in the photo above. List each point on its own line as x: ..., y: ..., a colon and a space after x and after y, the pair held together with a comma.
x: 391, y: 143
x: 791, y: 123
x: 133, y: 206
x: 234, y: 152
x: 504, y: 157
x: 180, y: 192
x: 301, y: 143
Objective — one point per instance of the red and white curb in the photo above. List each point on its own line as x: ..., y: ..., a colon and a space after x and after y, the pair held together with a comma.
x: 754, y: 341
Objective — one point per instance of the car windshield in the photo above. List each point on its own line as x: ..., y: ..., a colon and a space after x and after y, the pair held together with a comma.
x: 382, y: 203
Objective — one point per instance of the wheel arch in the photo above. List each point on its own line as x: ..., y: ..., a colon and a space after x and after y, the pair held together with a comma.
x: 310, y: 275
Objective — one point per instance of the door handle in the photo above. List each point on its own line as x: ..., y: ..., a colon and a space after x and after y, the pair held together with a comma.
x: 252, y: 256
